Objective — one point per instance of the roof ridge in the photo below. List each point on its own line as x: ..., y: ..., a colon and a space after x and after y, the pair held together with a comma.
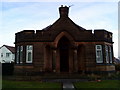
x: 8, y: 46
x: 11, y: 48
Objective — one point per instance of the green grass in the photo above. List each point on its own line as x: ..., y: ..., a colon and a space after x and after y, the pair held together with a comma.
x: 29, y: 84
x: 112, y: 84
x: 20, y: 85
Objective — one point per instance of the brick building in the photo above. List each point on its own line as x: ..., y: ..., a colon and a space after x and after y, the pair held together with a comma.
x: 64, y: 47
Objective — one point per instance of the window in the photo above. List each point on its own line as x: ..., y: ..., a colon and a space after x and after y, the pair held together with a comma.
x: 29, y: 54
x: 107, y: 55
x: 17, y: 56
x: 110, y: 54
x: 8, y: 55
x: 99, y: 56
x: 21, y: 54
x: 1, y: 54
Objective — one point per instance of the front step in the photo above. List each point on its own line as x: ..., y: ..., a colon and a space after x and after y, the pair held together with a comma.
x: 62, y: 76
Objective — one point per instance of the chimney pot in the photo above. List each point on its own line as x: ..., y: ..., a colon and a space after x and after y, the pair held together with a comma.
x: 63, y: 11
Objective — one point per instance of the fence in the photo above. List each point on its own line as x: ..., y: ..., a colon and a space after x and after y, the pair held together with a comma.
x: 7, y: 68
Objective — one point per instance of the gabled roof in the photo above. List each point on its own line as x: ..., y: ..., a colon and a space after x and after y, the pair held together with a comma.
x: 64, y: 22
x: 11, y: 48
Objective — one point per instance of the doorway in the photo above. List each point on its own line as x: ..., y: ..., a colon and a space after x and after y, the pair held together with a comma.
x: 63, y: 46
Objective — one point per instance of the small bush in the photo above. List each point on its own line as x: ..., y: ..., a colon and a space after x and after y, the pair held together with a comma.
x: 117, y: 67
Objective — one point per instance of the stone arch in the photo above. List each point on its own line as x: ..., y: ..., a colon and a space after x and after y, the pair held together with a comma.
x: 57, y: 47
x: 63, y: 34
x: 64, y: 48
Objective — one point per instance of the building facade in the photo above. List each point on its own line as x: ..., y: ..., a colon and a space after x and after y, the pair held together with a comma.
x: 7, y: 54
x: 64, y: 47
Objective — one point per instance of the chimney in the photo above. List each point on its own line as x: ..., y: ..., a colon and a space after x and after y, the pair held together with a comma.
x: 63, y: 11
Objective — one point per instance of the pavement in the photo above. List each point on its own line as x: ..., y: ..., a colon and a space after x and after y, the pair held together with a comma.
x: 68, y: 86
x: 66, y: 83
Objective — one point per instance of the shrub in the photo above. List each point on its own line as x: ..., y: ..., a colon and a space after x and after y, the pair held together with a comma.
x: 117, y: 67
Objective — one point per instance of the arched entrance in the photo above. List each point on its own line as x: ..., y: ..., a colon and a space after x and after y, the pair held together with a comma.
x: 63, y: 46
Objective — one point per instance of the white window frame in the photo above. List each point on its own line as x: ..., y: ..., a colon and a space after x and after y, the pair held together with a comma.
x: 21, y: 54
x: 17, y: 56
x: 99, y: 59
x: 29, y: 49
x: 8, y: 55
x: 110, y: 54
x: 107, y: 54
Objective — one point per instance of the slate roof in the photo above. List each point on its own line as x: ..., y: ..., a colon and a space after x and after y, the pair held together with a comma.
x: 65, y: 24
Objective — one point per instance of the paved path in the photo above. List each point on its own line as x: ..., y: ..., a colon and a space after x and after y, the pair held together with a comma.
x: 67, y: 83
x: 68, y: 86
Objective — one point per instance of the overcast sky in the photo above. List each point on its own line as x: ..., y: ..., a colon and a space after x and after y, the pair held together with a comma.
x: 36, y: 15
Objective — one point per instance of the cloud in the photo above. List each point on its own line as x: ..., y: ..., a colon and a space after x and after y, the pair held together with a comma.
x: 94, y: 11
x: 27, y: 16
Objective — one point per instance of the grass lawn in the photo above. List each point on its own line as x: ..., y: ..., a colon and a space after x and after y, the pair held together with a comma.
x: 29, y: 84
x: 111, y: 84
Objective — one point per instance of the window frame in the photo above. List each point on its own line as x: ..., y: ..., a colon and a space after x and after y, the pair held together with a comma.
x: 107, y: 54
x: 21, y: 54
x: 18, y: 55
x: 101, y: 54
x: 8, y: 54
x: 29, y: 49
x: 110, y: 55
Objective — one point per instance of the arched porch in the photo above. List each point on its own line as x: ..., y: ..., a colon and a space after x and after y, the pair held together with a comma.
x: 64, y: 55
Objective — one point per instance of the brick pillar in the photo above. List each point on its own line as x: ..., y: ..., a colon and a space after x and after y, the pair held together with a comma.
x: 75, y: 60
x: 71, y: 66
x: 57, y: 61
x: 54, y: 60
